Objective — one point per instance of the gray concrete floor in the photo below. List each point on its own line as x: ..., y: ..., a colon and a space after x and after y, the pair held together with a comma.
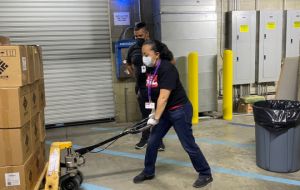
x: 228, y: 146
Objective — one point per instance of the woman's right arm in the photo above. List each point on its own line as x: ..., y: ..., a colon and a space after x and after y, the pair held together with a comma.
x: 161, y: 102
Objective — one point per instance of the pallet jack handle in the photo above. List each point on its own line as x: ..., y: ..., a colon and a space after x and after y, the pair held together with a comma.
x: 137, y: 128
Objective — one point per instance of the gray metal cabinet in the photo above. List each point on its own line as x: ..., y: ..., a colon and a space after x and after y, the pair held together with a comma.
x: 270, y: 46
x: 241, y: 39
x: 292, y: 33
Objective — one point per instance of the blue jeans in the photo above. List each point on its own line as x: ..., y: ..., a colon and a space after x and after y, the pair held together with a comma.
x: 181, y: 120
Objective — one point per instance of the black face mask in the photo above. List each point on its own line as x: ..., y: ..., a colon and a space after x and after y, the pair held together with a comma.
x: 140, y: 41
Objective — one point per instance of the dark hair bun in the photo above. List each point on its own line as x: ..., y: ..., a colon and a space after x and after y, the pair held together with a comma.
x: 161, y: 48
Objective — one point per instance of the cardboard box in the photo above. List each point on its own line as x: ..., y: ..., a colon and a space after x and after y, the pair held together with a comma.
x: 18, y: 177
x: 15, y: 104
x: 39, y: 73
x: 30, y: 64
x: 41, y: 92
x: 39, y: 48
x: 15, y: 145
x: 4, y: 41
x: 41, y: 126
x: 13, y: 66
x: 245, y: 108
x: 40, y: 160
x: 42, y: 156
x: 34, y: 98
x: 35, y: 138
x: 35, y: 55
x: 43, y: 152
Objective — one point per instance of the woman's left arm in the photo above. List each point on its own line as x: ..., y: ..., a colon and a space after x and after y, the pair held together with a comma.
x: 161, y: 102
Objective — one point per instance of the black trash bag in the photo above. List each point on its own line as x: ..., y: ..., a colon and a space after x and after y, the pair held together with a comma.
x: 277, y: 114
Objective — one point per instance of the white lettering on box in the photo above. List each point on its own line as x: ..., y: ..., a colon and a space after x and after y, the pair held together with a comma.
x: 24, y: 63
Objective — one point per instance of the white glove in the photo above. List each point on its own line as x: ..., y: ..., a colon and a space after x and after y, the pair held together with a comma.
x: 152, y: 122
x: 152, y: 114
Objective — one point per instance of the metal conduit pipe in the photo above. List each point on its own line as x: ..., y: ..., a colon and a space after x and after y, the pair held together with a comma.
x: 283, y: 4
x: 139, y: 7
x: 220, y: 81
x: 257, y: 4
x: 229, y: 5
x: 238, y: 5
x: 234, y: 5
x: 221, y: 50
x: 221, y: 31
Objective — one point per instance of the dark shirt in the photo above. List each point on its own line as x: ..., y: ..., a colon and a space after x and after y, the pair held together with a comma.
x: 167, y: 78
x: 134, y: 56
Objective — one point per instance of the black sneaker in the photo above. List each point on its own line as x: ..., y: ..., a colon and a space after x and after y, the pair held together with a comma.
x: 142, y: 177
x: 202, y: 181
x: 142, y: 144
x: 161, y: 147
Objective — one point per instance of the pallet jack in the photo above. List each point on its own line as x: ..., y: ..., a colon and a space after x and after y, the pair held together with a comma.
x: 73, y: 178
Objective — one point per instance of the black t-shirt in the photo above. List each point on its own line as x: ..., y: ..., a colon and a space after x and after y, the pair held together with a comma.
x: 167, y: 77
x: 134, y: 56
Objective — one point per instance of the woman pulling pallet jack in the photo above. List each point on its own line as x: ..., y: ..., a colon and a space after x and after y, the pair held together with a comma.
x: 73, y: 178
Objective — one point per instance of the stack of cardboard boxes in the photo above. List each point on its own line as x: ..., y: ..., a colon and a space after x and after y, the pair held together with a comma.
x: 22, y: 126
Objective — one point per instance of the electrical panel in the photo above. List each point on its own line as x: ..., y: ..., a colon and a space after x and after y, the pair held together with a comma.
x: 269, y: 53
x: 292, y: 33
x: 241, y: 39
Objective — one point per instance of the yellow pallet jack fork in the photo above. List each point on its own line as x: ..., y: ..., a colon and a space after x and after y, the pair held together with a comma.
x: 53, y: 172
x: 73, y: 178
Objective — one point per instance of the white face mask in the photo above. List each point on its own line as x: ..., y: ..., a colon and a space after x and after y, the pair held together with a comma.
x: 148, y: 61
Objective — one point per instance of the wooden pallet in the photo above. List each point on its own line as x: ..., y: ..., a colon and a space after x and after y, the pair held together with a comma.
x: 41, y: 178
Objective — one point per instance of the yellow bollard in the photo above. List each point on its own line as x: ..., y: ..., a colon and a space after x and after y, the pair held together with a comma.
x: 193, y: 84
x: 227, y: 85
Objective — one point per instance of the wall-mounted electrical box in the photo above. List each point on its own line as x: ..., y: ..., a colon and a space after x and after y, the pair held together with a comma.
x: 121, y: 48
x: 269, y: 46
x: 292, y: 33
x: 241, y: 39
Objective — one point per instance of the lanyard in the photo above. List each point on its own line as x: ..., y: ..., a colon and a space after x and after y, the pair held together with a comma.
x: 151, y: 80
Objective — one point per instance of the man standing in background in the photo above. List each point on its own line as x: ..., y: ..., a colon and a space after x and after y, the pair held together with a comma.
x: 136, y: 67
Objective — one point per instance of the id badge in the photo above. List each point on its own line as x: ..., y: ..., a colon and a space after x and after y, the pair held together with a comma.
x: 143, y: 69
x: 149, y: 105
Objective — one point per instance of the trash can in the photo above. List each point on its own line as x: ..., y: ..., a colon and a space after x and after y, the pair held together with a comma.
x: 277, y: 134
